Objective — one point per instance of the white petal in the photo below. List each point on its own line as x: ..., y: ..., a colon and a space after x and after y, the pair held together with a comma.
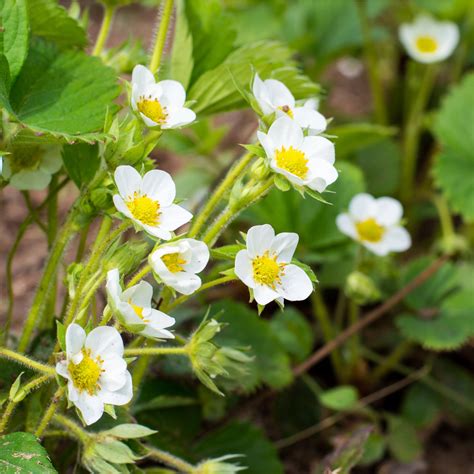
x: 30, y: 180
x: 284, y: 245
x: 259, y: 239
x: 142, y: 295
x: 106, y: 340
x: 173, y: 93
x: 178, y: 117
x: 90, y: 406
x: 310, y: 119
x: 319, y: 147
x: 121, y: 396
x: 264, y: 294
x: 51, y: 162
x: 61, y: 369
x: 184, y: 282
x: 260, y: 93
x: 121, y: 206
x: 295, y: 284
x: 267, y: 144
x: 142, y: 77
x: 173, y: 217
x: 279, y: 94
x: 199, y: 256
x: 346, y: 225
x: 158, y: 232
x: 389, y: 211
x: 128, y: 180
x: 75, y: 338
x: 362, y: 206
x: 379, y: 248
x: 159, y: 186
x: 114, y: 290
x: 397, y: 239
x: 285, y: 132
x: 321, y: 169
x: 148, y: 121
x: 243, y: 268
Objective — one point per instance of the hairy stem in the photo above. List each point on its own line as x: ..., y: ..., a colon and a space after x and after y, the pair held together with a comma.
x: 104, y: 30
x: 26, y: 361
x: 72, y: 427
x: 139, y: 351
x: 170, y: 460
x: 161, y: 36
x: 50, y: 411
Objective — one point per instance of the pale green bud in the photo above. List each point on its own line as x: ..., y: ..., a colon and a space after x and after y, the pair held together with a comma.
x: 127, y: 256
x: 259, y: 169
x: 219, y: 466
x: 361, y: 288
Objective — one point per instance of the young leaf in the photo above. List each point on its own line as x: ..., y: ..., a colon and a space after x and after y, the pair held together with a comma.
x: 81, y: 162
x: 340, y: 398
x: 14, y: 33
x: 402, y: 439
x: 22, y: 453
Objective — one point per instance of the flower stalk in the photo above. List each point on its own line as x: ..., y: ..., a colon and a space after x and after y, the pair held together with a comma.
x: 109, y: 12
x: 161, y: 36
x: 27, y: 362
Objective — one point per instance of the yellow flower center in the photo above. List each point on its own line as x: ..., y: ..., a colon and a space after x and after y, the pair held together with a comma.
x: 144, y: 209
x: 266, y: 270
x: 138, y: 311
x: 287, y: 110
x: 174, y: 262
x: 426, y: 44
x: 293, y: 161
x: 370, y: 230
x: 86, y: 374
x: 152, y: 109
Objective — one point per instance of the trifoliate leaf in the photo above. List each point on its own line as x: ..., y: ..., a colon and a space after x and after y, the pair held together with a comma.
x: 21, y: 453
x: 81, y: 162
x: 51, y: 21
x: 340, y: 398
x: 259, y: 455
x: 245, y: 329
x: 215, y: 90
x: 455, y: 164
x: 14, y: 33
x: 63, y: 93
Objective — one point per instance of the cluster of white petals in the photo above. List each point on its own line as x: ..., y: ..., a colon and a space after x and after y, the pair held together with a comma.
x: 96, y: 371
x: 375, y: 223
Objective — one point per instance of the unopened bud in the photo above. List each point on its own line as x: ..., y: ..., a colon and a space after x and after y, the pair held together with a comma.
x: 259, y: 169
x: 128, y: 256
x: 361, y: 288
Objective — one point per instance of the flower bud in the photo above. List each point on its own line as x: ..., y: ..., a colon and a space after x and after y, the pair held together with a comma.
x: 127, y: 256
x: 361, y: 288
x: 219, y: 466
x: 259, y: 169
x: 101, y: 198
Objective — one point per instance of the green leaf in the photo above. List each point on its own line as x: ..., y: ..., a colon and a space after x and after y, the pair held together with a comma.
x: 130, y: 430
x: 374, y: 449
x: 51, y: 21
x: 21, y: 453
x: 81, y: 162
x: 402, y: 439
x: 356, y: 136
x: 294, y: 333
x: 340, y: 398
x: 14, y: 33
x: 66, y: 93
x: 227, y: 252
x: 259, y: 455
x: 421, y: 406
x: 15, y: 386
x: 215, y: 91
x: 115, y: 452
x: 455, y: 163
x: 245, y: 329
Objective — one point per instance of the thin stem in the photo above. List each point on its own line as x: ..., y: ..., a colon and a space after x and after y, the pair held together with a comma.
x: 321, y: 313
x: 161, y: 36
x: 26, y: 361
x: 104, y: 30
x: 354, y: 341
x: 170, y: 460
x: 205, y: 286
x: 412, y: 129
x: 49, y: 413
x: 9, y: 409
x: 372, y: 67
x: 139, y: 275
x: 72, y: 427
x: 234, y: 173
x: 139, y: 351
x: 389, y: 362
x: 447, y: 226
x: 34, y: 212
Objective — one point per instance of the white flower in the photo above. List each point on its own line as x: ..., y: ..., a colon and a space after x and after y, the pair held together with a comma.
x: 96, y: 371
x: 159, y: 103
x: 148, y: 201
x: 305, y: 161
x: 133, y: 308
x: 32, y: 171
x: 427, y: 40
x: 375, y: 224
x: 274, y: 97
x: 176, y: 264
x: 265, y: 266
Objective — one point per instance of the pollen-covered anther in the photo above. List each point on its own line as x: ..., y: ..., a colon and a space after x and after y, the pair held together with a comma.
x: 292, y: 160
x: 287, y: 110
x: 266, y: 270
x: 144, y: 209
x: 426, y: 44
x: 86, y: 374
x: 138, y: 311
x: 153, y: 109
x: 174, y: 262
x: 370, y: 230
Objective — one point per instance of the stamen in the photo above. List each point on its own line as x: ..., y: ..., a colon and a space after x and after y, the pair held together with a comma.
x: 266, y: 270
x: 138, y: 311
x: 86, y: 374
x: 287, y: 110
x: 144, y: 209
x: 370, y: 230
x: 426, y: 44
x: 152, y: 109
x: 174, y: 262
x: 292, y: 160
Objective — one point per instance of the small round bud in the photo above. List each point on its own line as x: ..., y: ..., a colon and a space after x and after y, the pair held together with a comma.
x: 361, y: 288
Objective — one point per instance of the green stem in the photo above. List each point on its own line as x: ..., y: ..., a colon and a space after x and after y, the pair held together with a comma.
x: 321, y: 313
x: 26, y: 361
x: 104, y: 30
x: 72, y: 427
x: 372, y: 67
x: 144, y: 351
x: 50, y: 411
x: 203, y: 287
x: 161, y: 36
x: 170, y: 460
x: 227, y: 183
x: 354, y: 342
x: 9, y: 409
x: 445, y: 218
x: 47, y: 280
x: 34, y: 212
x: 389, y: 362
x: 139, y: 275
x: 412, y: 130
